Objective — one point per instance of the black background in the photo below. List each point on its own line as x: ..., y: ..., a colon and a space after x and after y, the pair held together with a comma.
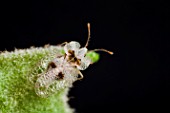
x: 136, y: 77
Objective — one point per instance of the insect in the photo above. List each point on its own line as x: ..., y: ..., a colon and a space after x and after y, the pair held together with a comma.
x: 65, y: 69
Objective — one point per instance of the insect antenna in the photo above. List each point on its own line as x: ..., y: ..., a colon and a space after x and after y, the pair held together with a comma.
x: 88, y: 39
x: 104, y: 50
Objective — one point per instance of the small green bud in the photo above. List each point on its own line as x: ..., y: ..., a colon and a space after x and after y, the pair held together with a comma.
x: 93, y: 56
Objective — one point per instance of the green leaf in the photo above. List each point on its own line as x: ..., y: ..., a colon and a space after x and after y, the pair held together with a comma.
x: 17, y: 93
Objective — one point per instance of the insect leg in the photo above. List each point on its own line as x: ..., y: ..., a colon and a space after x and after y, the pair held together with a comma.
x: 64, y: 43
x: 81, y: 75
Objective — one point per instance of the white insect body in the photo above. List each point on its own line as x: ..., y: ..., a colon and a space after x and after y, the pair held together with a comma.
x: 59, y: 75
x: 63, y: 70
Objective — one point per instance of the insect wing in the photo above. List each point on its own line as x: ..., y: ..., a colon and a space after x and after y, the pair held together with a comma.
x: 50, y: 82
x: 70, y: 76
x: 44, y: 81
